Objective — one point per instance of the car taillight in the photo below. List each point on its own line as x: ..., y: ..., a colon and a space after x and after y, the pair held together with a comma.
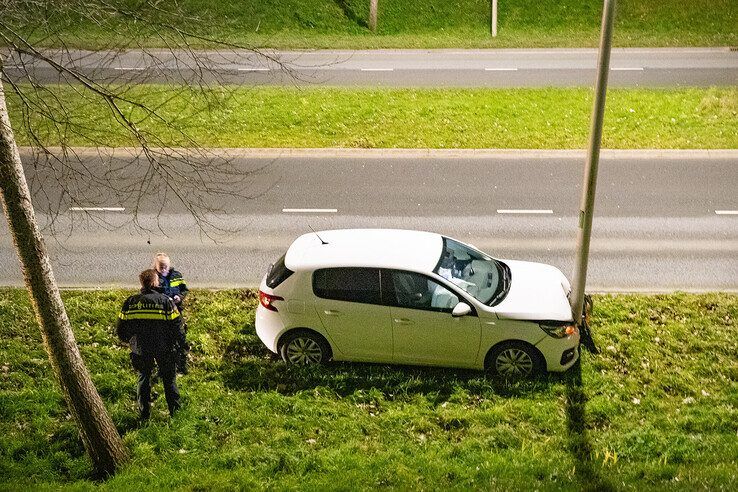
x: 266, y: 300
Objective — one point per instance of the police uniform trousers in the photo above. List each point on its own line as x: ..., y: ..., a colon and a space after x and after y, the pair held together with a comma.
x: 144, y: 364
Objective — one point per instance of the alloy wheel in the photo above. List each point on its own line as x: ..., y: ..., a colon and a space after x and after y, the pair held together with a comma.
x: 304, y: 350
x: 514, y: 362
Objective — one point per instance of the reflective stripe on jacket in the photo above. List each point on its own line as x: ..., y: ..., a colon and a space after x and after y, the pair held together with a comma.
x: 173, y: 284
x: 150, y: 322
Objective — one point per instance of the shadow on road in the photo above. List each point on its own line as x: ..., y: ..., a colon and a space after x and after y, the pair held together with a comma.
x: 587, y: 469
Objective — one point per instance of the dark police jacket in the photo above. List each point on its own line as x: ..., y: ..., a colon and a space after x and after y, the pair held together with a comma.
x: 150, y: 322
x: 173, y: 285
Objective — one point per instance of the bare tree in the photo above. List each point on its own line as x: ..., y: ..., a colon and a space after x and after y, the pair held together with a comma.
x: 187, y: 174
x: 99, y: 435
x: 373, y: 15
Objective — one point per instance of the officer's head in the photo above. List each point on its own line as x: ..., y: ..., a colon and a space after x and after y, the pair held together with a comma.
x: 162, y: 263
x: 149, y: 279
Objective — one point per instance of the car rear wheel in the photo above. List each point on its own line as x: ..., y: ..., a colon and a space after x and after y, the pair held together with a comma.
x: 514, y: 360
x: 304, y: 347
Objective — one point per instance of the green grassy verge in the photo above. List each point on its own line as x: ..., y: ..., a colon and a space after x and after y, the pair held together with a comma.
x: 656, y: 410
x: 400, y: 118
x: 417, y: 23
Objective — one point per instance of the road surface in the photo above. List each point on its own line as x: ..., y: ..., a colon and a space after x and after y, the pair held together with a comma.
x: 664, y: 221
x: 630, y: 67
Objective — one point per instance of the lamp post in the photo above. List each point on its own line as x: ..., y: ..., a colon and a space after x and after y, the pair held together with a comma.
x: 493, y: 19
x: 586, y: 209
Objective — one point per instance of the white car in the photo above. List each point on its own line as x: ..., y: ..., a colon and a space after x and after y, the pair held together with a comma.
x: 411, y: 297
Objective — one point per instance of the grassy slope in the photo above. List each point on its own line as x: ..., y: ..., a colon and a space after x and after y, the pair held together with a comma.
x: 656, y: 410
x: 411, y: 118
x: 442, y: 23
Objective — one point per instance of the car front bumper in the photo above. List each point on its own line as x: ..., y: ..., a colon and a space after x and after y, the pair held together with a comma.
x: 560, y: 354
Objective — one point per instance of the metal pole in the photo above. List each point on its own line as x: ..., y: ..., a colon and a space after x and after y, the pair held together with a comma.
x: 586, y: 209
x: 493, y: 19
x: 373, y: 15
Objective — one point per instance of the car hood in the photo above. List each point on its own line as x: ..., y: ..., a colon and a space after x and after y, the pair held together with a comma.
x: 537, y: 292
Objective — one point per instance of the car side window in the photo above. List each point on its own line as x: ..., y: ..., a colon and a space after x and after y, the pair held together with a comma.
x: 348, y: 284
x: 416, y: 291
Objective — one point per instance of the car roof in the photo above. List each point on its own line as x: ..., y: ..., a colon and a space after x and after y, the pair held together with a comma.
x: 376, y: 248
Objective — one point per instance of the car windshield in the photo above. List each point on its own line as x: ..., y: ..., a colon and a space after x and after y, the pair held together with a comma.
x: 483, y: 277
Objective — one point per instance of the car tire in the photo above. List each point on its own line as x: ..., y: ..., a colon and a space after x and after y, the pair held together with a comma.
x: 514, y: 360
x: 304, y: 347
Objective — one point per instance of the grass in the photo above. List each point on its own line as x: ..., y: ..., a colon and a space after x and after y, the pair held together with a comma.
x: 656, y: 410
x: 399, y: 118
x: 417, y: 23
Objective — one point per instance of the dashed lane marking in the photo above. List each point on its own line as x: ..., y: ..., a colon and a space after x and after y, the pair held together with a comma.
x: 523, y: 211
x: 309, y: 210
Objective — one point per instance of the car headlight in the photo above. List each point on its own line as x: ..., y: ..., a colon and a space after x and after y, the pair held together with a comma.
x: 559, y: 330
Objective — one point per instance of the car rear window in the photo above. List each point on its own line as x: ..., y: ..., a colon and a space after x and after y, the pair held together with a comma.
x: 278, y: 273
x: 348, y: 284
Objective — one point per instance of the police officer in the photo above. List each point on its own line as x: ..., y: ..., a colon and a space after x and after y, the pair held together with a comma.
x: 172, y: 284
x: 150, y: 322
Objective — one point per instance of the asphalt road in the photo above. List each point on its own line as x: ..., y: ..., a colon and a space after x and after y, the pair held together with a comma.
x: 664, y: 221
x: 630, y: 67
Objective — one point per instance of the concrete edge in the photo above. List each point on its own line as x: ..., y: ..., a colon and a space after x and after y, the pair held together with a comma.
x: 417, y: 51
x: 213, y: 287
x: 275, y: 153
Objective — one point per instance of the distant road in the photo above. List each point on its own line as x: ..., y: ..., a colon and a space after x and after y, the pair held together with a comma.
x: 664, y: 221
x: 631, y: 67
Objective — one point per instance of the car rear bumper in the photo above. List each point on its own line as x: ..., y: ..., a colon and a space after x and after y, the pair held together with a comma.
x: 269, y: 327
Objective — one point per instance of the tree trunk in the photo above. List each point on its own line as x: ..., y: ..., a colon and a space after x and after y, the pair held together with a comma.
x: 100, y: 437
x: 373, y: 15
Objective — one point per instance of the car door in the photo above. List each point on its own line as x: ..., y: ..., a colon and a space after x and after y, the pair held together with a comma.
x: 424, y: 330
x: 349, y: 304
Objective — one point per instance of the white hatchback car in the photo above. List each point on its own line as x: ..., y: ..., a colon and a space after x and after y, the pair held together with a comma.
x: 411, y: 297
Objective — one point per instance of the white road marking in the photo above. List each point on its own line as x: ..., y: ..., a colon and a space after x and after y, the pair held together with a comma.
x: 377, y: 69
x: 253, y: 69
x: 522, y: 211
x: 627, y: 69
x: 309, y: 210
x: 130, y: 68
x: 494, y: 69
x: 97, y: 209
x: 726, y: 212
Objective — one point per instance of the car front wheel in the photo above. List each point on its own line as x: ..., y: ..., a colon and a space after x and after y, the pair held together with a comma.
x: 304, y: 347
x: 514, y: 360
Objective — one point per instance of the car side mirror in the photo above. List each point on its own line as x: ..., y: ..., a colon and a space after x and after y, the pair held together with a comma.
x: 461, y: 309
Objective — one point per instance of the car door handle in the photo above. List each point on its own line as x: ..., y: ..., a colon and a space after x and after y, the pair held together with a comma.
x: 403, y: 321
x: 332, y: 312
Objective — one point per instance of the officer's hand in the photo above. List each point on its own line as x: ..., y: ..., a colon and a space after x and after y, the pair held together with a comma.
x: 177, y: 299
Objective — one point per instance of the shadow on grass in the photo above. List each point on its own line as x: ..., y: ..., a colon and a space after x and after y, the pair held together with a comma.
x: 587, y: 469
x: 350, y: 14
x: 248, y: 367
